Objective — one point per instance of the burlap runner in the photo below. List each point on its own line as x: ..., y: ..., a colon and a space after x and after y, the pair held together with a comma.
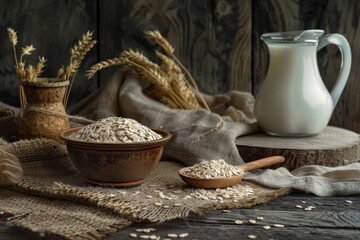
x: 54, y: 199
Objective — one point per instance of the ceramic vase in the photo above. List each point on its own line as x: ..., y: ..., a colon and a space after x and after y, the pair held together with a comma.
x: 44, y: 115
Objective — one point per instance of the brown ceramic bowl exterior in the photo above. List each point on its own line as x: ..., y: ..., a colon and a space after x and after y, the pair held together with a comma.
x: 114, y: 164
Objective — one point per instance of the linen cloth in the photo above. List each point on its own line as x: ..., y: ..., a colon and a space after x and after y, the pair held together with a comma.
x: 319, y: 180
x: 196, y: 134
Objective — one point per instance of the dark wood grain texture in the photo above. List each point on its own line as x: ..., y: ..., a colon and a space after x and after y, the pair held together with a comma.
x: 331, y: 219
x: 53, y: 27
x: 211, y: 38
x: 332, y: 16
x: 217, y: 40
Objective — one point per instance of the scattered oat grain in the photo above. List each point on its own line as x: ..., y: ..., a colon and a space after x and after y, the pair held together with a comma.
x: 279, y: 225
x: 226, y: 211
x: 166, y: 206
x: 266, y: 227
x: 348, y: 201
x: 299, y: 206
x: 139, y: 230
x: 252, y: 221
x: 260, y: 218
x: 182, y: 235
x: 235, y: 192
x: 238, y: 222
x: 149, y: 196
x: 133, y: 235
x: 172, y: 235
x: 153, y: 237
x: 144, y: 236
x: 159, y: 204
x: 252, y: 237
x: 309, y: 208
x: 303, y: 202
x: 146, y: 230
x: 152, y: 229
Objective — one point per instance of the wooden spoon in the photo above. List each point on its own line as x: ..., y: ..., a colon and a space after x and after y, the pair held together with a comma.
x: 229, y: 181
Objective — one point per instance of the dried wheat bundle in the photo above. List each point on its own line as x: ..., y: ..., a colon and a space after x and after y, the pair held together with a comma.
x: 169, y: 84
x: 31, y: 73
x: 23, y: 73
x: 170, y: 50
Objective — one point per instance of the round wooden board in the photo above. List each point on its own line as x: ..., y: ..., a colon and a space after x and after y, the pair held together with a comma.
x: 333, y: 147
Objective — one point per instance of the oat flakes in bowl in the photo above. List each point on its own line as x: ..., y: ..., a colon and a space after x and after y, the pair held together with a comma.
x: 115, y: 151
x: 116, y: 130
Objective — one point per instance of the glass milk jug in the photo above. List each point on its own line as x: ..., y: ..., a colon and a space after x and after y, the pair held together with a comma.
x: 293, y: 100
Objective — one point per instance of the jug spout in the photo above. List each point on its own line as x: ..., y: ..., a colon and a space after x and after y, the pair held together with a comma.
x: 294, y: 36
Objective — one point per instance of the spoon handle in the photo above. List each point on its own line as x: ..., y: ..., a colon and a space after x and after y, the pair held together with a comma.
x: 263, y: 162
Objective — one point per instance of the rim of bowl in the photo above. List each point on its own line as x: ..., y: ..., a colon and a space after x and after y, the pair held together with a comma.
x: 64, y: 135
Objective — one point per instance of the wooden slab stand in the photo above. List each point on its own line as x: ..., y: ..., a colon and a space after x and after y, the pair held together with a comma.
x: 333, y: 147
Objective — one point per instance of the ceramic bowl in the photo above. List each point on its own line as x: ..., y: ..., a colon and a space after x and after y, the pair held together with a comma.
x: 114, y: 164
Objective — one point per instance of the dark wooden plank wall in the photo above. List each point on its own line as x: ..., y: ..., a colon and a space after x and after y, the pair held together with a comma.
x: 218, y: 40
x: 211, y: 38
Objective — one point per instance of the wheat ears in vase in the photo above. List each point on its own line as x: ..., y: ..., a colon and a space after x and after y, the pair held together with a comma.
x: 31, y: 73
x: 168, y: 83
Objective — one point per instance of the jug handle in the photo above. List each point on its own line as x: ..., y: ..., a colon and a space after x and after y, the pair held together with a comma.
x: 345, y: 66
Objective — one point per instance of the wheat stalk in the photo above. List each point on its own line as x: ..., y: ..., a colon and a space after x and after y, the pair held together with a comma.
x: 155, y: 77
x: 60, y: 73
x: 160, y: 40
x: 40, y: 65
x: 22, y: 73
x: 178, y: 80
x: 77, y: 54
x: 168, y: 65
x: 13, y: 40
x: 170, y: 50
x: 104, y: 64
x: 140, y: 59
x: 162, y: 96
x: 26, y: 51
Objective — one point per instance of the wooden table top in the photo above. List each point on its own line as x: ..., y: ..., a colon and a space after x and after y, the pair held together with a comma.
x: 332, y: 218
